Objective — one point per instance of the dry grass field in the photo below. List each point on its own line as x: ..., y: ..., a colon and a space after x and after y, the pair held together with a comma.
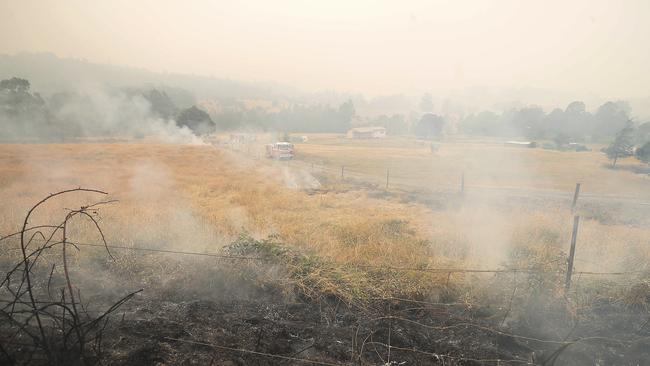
x: 341, y: 242
x: 485, y: 164
x: 202, y: 198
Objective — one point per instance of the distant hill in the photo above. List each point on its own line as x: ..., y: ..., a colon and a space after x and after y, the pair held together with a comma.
x: 49, y: 74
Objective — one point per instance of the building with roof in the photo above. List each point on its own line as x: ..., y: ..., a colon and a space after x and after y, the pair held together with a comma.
x: 371, y: 132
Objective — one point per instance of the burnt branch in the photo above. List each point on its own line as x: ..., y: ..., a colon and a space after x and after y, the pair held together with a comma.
x: 59, y: 329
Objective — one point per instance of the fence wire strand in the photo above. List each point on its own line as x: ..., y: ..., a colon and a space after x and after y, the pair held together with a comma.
x: 366, y: 266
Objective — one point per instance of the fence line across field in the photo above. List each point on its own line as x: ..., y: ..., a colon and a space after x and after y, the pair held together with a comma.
x: 463, y: 184
x: 367, y: 266
x: 390, y: 317
x: 392, y: 180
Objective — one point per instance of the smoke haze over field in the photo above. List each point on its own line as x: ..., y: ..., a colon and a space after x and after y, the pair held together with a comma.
x: 579, y: 47
x: 92, y: 112
x: 326, y: 182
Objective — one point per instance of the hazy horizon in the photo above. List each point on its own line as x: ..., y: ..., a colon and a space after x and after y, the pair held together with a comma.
x: 373, y: 48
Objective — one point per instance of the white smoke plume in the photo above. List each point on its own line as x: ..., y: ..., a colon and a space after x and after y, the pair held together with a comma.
x: 90, y: 113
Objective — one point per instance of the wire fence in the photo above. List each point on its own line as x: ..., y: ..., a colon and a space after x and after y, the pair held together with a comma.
x: 391, y: 178
x: 389, y: 318
x: 396, y: 179
x: 441, y: 270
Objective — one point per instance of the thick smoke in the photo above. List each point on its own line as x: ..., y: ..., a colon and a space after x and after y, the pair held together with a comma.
x: 92, y: 113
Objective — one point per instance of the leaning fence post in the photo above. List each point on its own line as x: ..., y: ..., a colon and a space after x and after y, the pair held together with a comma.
x: 575, y: 197
x: 387, y: 176
x: 572, y: 252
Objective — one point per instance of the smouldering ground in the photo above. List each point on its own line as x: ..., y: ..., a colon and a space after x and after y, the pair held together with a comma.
x: 201, y: 198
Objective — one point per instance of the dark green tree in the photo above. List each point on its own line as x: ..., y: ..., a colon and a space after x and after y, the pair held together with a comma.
x: 576, y: 122
x: 623, y: 145
x: 610, y: 118
x: 643, y: 153
x: 429, y: 126
x: 529, y: 121
x: 161, y: 103
x: 15, y: 85
x: 346, y: 112
x: 15, y: 97
x: 196, y: 120
x: 643, y: 133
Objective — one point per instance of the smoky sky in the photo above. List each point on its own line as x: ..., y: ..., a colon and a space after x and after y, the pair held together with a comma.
x: 371, y: 47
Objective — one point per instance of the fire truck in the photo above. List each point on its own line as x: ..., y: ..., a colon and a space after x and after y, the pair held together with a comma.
x: 280, y: 151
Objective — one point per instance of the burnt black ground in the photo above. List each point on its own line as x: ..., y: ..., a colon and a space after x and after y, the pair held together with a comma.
x: 170, y: 333
x: 270, y: 331
x: 249, y: 332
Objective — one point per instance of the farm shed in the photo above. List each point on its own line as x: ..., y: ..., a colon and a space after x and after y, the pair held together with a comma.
x: 367, y: 133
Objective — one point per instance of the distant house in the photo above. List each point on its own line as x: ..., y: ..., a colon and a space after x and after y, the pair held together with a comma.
x: 367, y: 133
x: 521, y: 143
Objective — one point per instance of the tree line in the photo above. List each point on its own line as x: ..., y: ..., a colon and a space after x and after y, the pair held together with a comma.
x: 26, y: 114
x: 573, y: 122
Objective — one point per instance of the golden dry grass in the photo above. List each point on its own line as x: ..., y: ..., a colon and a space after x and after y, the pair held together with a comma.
x: 485, y: 164
x: 200, y: 198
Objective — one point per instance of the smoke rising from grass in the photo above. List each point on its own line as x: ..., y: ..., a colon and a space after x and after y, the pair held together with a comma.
x: 89, y: 113
x: 299, y: 178
x: 482, y: 220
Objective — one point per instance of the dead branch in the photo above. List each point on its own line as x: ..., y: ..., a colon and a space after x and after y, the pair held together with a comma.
x: 59, y: 330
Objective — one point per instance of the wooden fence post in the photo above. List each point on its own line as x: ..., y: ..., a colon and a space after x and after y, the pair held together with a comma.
x: 575, y: 197
x: 387, y: 176
x: 572, y: 252
x: 342, y: 169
